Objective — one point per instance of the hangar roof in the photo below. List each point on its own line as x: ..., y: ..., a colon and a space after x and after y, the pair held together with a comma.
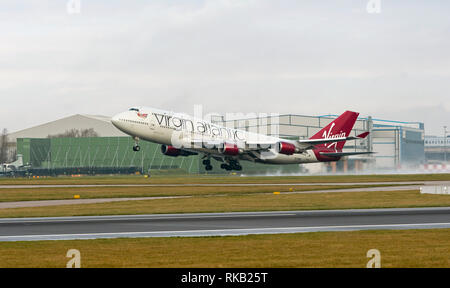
x: 101, y: 124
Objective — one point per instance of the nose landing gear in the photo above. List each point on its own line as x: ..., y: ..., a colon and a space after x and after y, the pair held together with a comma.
x: 136, y: 147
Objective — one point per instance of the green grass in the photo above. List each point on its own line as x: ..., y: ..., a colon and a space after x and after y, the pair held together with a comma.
x: 241, y: 203
x: 190, y: 179
x: 61, y: 193
x: 403, y: 248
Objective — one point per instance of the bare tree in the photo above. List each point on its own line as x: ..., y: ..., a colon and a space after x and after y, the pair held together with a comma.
x: 76, y: 133
x: 4, y: 146
x: 88, y: 133
x: 13, y: 155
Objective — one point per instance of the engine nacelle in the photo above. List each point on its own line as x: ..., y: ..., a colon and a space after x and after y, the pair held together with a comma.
x: 170, y: 151
x: 229, y: 149
x: 286, y: 148
x: 174, y: 152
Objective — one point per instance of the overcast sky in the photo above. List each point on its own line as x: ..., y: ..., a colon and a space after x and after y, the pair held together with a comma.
x: 301, y: 57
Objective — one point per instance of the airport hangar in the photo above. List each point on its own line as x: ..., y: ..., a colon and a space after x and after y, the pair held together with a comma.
x: 397, y: 145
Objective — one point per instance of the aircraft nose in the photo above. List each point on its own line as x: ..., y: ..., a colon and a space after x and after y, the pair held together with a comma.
x: 116, y: 119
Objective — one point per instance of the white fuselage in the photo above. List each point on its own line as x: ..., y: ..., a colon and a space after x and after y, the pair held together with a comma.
x: 11, y: 167
x: 197, y: 135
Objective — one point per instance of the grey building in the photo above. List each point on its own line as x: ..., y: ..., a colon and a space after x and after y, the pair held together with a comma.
x: 396, y: 144
x: 437, y: 149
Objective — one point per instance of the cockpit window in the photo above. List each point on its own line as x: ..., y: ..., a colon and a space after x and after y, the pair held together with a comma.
x: 134, y: 109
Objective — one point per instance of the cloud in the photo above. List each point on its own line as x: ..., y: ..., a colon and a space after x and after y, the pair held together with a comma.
x: 303, y: 57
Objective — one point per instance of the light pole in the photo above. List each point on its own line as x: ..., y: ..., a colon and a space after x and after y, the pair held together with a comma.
x: 445, y: 144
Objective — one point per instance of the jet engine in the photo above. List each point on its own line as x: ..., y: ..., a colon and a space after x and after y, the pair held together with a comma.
x: 229, y: 149
x: 175, y: 152
x: 286, y: 148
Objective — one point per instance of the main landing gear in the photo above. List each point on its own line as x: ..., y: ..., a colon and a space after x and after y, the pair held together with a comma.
x: 207, y: 163
x: 231, y: 165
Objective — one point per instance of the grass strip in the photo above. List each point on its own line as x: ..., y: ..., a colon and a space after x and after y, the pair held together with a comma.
x: 192, y: 179
x: 36, y: 194
x: 402, y: 248
x: 242, y: 203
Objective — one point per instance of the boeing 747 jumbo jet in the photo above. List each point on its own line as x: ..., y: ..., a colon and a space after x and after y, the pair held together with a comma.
x: 181, y: 135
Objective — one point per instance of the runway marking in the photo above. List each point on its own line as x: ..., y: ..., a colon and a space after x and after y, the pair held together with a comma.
x: 119, y: 218
x: 221, y: 232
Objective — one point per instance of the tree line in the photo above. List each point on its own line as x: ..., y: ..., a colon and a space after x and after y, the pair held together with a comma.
x: 76, y: 133
x: 5, y: 155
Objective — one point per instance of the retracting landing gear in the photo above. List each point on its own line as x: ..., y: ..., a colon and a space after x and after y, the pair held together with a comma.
x: 207, y: 163
x: 225, y: 166
x: 136, y: 147
x: 231, y: 165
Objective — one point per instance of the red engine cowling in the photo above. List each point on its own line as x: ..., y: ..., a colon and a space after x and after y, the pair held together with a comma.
x: 170, y: 151
x: 174, y: 152
x: 286, y: 148
x: 229, y: 149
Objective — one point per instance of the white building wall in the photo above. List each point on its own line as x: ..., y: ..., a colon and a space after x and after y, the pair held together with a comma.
x: 101, y: 125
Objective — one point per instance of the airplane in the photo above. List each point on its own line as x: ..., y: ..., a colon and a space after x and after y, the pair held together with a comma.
x: 13, y: 166
x: 181, y: 135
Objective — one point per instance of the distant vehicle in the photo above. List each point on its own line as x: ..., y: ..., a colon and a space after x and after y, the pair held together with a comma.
x: 181, y: 135
x: 8, y: 168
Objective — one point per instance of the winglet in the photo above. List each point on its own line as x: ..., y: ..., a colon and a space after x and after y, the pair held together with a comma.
x: 363, y: 135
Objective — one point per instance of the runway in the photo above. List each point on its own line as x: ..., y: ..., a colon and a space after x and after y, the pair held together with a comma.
x: 221, y: 224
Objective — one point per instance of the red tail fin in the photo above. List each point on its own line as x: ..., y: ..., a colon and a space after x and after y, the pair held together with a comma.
x: 340, y: 127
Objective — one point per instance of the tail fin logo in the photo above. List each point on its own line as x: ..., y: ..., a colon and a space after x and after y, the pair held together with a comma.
x: 329, y: 135
x: 339, y: 128
x: 142, y: 115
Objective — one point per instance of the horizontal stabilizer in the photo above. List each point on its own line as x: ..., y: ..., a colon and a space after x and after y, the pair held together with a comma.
x: 310, y: 143
x: 324, y: 140
x: 341, y: 154
x: 363, y: 135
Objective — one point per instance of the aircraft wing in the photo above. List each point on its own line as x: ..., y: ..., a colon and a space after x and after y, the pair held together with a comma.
x: 257, y: 145
x: 341, y: 154
x: 301, y: 145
